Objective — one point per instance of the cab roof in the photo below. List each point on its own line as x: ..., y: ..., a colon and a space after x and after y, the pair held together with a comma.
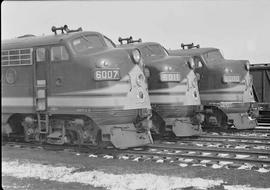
x: 139, y: 45
x: 32, y: 41
x: 195, y: 51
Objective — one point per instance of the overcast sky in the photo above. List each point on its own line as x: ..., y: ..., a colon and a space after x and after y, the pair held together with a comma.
x: 240, y: 28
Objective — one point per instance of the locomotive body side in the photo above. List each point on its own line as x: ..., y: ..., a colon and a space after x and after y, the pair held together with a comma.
x: 173, y: 91
x: 72, y: 92
x: 225, y: 88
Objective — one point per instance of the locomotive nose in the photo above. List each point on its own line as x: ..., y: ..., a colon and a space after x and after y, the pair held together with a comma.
x: 138, y: 93
x: 120, y: 68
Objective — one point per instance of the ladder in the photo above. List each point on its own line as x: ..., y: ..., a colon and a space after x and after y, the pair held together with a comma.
x: 43, y: 122
x: 41, y: 107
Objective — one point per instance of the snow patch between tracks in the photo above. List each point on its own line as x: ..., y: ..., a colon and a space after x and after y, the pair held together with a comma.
x: 101, y: 179
x: 110, y: 181
x: 242, y: 187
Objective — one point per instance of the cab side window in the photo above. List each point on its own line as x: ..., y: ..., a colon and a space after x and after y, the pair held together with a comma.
x: 40, y: 54
x: 59, y: 53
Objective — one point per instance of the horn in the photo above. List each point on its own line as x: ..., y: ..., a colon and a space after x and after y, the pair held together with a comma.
x: 133, y: 41
x: 182, y: 46
x: 120, y: 40
x: 69, y: 31
x: 65, y: 27
x: 125, y: 39
x: 54, y: 29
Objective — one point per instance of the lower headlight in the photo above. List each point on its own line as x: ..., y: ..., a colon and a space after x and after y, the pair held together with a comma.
x: 195, y: 94
x: 140, y: 79
x: 140, y: 95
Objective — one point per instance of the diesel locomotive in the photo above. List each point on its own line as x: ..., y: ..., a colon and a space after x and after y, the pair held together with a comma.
x: 225, y: 87
x: 74, y: 87
x: 173, y: 89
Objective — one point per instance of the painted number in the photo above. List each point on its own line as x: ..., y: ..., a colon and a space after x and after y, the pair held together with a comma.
x: 166, y: 77
x: 107, y: 75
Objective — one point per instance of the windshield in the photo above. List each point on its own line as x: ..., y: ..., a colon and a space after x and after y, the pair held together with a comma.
x: 153, y: 50
x: 87, y: 42
x: 212, y: 56
x: 109, y: 42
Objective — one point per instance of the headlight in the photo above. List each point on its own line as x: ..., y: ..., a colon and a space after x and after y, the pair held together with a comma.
x: 247, y: 66
x: 226, y: 70
x: 136, y: 56
x: 195, y: 94
x: 167, y: 68
x: 191, y: 63
x: 140, y: 96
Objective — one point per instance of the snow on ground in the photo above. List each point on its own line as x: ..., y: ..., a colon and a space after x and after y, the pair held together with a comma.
x: 199, y: 144
x: 206, y: 153
x: 214, y: 145
x: 160, y: 161
x: 92, y: 156
x: 97, y: 178
x: 101, y: 179
x: 242, y: 156
x: 260, y: 147
x: 223, y: 155
x: 124, y: 157
x: 246, y: 166
x: 242, y: 187
x: 263, y: 170
x: 108, y: 157
x: 241, y: 147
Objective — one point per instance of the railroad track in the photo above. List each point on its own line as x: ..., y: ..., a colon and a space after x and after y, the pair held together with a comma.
x: 217, y: 145
x: 238, y: 143
x: 172, y: 154
x: 240, y: 137
x: 262, y: 157
x: 244, y: 132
